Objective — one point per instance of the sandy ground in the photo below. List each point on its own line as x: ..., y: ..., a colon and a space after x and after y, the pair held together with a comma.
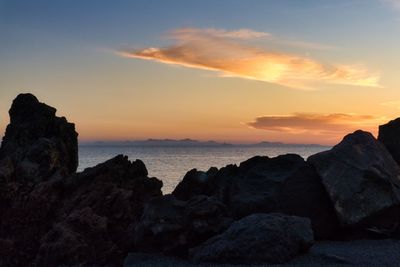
x: 354, y: 253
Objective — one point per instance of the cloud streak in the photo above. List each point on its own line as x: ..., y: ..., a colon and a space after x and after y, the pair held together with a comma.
x: 230, y: 55
x: 326, y: 127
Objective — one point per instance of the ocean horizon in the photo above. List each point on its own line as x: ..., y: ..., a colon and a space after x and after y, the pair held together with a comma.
x: 170, y: 163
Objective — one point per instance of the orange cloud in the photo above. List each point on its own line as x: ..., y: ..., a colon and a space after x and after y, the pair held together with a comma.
x: 227, y: 53
x: 326, y: 127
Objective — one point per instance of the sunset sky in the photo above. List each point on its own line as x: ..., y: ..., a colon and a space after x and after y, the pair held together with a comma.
x: 235, y: 71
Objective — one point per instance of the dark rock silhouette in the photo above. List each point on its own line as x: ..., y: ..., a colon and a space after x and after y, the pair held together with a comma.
x: 249, y: 188
x: 173, y: 226
x: 194, y: 183
x: 303, y: 194
x: 389, y: 135
x: 53, y: 216
x: 37, y: 144
x: 258, y: 238
x: 261, y: 184
x: 81, y: 238
x: 360, y: 177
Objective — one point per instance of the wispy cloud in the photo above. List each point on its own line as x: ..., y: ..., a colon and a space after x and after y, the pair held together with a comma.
x: 230, y: 54
x: 325, y: 126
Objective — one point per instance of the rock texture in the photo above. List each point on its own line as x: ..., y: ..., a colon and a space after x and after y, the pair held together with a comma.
x: 173, y: 226
x: 303, y: 194
x: 37, y: 144
x: 52, y: 216
x: 360, y: 176
x: 258, y: 238
x: 93, y: 211
x: 389, y: 135
x: 285, y: 184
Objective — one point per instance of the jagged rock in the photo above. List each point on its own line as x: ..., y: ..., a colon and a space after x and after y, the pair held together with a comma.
x: 113, y: 192
x: 258, y: 238
x: 194, y: 183
x: 82, y: 238
x: 389, y: 135
x: 37, y: 144
x: 45, y: 204
x: 173, y: 226
x: 360, y: 176
x: 252, y: 187
x: 284, y: 184
x: 116, y: 190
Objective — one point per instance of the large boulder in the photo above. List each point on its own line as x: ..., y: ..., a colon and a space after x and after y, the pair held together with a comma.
x: 110, y: 197
x: 253, y: 186
x: 389, y: 135
x: 173, y: 226
x: 37, y: 144
x: 303, y: 194
x: 258, y: 238
x: 285, y: 184
x: 360, y: 177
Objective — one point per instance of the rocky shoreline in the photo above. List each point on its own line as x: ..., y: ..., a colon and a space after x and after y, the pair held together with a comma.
x: 340, y: 206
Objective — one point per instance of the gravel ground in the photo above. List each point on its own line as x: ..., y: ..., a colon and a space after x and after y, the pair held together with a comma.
x: 328, y: 253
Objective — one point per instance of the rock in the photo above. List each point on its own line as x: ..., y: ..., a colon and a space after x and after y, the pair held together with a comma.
x: 37, y: 143
x: 115, y: 190
x: 80, y: 239
x: 254, y: 186
x: 194, y: 183
x: 285, y: 184
x: 112, y: 193
x: 360, y: 176
x: 50, y: 214
x: 389, y: 136
x: 172, y: 226
x: 258, y: 238
x: 303, y: 194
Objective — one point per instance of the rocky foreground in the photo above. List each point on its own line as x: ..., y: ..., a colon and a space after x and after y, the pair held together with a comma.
x: 340, y: 206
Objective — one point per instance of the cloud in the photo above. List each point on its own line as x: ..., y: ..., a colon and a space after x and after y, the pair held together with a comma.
x: 325, y: 127
x: 230, y: 55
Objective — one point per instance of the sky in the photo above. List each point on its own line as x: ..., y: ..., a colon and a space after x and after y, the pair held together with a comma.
x: 235, y: 71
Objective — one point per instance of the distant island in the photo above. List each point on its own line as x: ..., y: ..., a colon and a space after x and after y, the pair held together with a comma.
x: 187, y: 142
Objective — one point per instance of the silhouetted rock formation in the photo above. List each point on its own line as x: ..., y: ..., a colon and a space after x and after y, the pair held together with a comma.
x: 258, y: 238
x: 261, y: 184
x: 389, y: 135
x: 77, y: 219
x: 37, y: 144
x: 52, y: 216
x: 360, y: 177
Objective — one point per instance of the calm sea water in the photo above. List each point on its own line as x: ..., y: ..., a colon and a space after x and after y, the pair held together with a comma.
x: 171, y: 163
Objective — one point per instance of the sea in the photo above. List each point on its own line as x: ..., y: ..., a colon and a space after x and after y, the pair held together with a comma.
x: 170, y: 164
